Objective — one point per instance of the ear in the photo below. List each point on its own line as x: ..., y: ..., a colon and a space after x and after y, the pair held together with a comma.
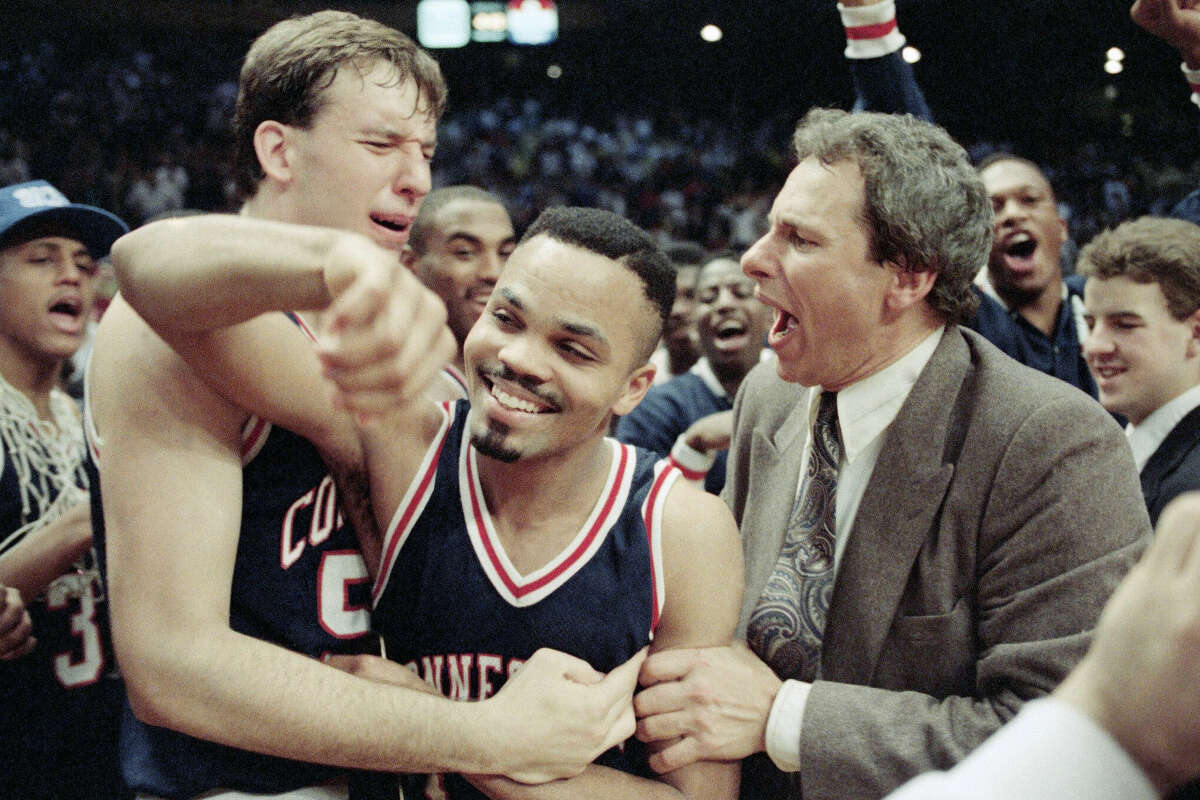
x: 272, y: 145
x: 908, y: 288
x: 636, y: 386
x: 1193, y: 322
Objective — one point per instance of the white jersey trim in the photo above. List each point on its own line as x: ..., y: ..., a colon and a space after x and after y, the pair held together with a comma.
x: 254, y: 436
x: 665, y: 475
x: 90, y: 435
x: 526, y: 590
x: 412, y: 505
x: 456, y: 379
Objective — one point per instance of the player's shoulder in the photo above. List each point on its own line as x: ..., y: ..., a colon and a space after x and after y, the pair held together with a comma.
x: 136, y: 379
x: 694, y: 518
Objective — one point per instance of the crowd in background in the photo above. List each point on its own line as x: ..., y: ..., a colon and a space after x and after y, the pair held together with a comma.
x: 144, y: 130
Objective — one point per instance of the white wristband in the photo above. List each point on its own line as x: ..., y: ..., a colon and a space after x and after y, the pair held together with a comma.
x: 693, y: 463
x: 871, y: 31
x: 1193, y: 79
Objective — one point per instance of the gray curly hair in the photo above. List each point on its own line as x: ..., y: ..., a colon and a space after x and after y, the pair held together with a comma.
x: 924, y: 206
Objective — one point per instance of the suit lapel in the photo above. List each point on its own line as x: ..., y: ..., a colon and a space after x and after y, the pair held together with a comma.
x: 777, y: 463
x: 899, y: 505
x: 1174, y: 449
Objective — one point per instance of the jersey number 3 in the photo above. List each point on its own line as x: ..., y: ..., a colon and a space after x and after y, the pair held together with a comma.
x: 69, y: 672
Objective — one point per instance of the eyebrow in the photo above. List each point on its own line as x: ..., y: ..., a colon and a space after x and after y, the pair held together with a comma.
x: 1023, y: 187
x: 581, y: 329
x: 388, y: 132
x: 470, y: 237
x: 58, y: 248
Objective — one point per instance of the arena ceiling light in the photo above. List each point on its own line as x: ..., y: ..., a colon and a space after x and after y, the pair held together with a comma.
x: 443, y: 23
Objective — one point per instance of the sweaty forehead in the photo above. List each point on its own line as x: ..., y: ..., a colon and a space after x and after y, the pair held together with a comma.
x: 376, y: 98
x: 1009, y: 175
x: 1123, y: 295
x: 562, y: 285
x: 816, y: 192
x: 721, y: 271
x: 41, y: 234
x: 473, y: 217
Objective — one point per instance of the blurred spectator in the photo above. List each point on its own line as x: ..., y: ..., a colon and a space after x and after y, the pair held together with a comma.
x: 59, y: 704
x: 690, y: 416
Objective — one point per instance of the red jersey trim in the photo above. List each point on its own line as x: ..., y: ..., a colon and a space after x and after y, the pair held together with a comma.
x: 526, y: 590
x: 254, y: 436
x: 411, y: 506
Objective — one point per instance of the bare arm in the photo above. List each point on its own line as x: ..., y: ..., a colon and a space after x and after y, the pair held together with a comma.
x: 187, y: 670
x: 206, y: 284
x: 702, y: 559
x: 200, y: 273
x: 48, y: 552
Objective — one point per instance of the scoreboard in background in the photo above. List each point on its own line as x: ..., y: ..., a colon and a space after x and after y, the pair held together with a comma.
x: 456, y: 23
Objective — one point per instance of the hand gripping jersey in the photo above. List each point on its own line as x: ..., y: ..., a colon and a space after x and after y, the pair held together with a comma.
x: 59, y: 705
x: 452, y: 608
x: 299, y: 581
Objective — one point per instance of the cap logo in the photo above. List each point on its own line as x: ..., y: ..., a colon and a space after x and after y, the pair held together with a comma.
x: 39, y: 197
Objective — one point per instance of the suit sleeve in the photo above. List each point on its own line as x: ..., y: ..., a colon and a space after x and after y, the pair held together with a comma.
x: 1061, y: 522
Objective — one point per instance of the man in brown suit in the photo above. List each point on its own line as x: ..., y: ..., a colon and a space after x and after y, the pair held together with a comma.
x: 937, y: 553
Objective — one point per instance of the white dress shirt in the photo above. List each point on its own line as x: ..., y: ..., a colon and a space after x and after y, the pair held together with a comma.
x: 865, y: 411
x: 1144, y: 439
x: 1049, y: 751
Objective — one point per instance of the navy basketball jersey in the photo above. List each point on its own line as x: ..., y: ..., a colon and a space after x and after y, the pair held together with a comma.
x: 452, y: 608
x: 59, y: 705
x: 299, y: 581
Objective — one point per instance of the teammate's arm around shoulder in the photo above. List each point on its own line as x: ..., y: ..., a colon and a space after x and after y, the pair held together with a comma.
x: 207, y: 285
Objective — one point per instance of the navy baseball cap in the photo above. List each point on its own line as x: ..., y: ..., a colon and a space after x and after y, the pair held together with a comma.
x: 95, y: 227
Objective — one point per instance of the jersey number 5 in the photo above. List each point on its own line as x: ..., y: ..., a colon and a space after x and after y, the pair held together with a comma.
x: 340, y: 572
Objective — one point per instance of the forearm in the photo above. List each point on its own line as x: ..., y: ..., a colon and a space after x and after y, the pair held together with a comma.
x: 45, y: 554
x: 598, y: 782
x: 205, y: 272
x: 868, y: 740
x: 219, y: 685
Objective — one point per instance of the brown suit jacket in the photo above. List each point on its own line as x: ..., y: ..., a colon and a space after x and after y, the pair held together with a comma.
x: 1002, y: 512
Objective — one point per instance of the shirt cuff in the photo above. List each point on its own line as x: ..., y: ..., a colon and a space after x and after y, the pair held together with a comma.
x: 784, y: 723
x: 1193, y: 79
x: 871, y: 31
x: 691, y: 462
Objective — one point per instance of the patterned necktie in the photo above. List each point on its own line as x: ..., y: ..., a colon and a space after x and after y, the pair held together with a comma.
x: 786, y: 627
